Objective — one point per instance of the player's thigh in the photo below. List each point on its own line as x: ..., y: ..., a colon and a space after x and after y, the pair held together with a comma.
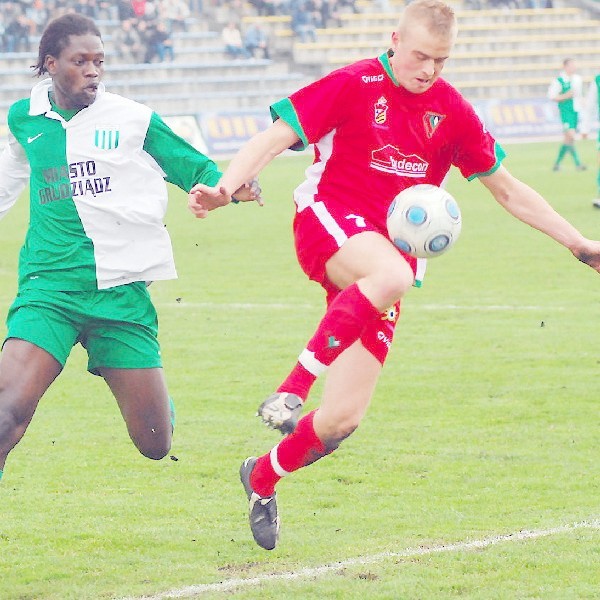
x: 337, y: 247
x: 143, y: 400
x: 348, y: 389
x: 370, y: 255
x: 122, y: 330
x: 45, y: 319
x: 26, y: 372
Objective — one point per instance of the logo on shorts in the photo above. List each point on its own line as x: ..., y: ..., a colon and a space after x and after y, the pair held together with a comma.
x: 432, y: 120
x: 391, y: 314
x: 358, y: 220
x: 106, y: 137
x: 390, y: 160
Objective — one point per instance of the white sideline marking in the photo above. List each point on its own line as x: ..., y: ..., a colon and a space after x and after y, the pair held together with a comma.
x: 305, y: 306
x: 408, y: 553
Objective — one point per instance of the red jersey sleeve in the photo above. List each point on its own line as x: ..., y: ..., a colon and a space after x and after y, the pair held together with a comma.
x: 316, y: 109
x: 476, y: 151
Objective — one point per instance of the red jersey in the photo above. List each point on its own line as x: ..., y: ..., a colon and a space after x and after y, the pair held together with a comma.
x: 372, y: 138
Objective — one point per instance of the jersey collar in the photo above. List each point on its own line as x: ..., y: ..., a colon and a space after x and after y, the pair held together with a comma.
x: 384, y: 59
x: 40, y: 102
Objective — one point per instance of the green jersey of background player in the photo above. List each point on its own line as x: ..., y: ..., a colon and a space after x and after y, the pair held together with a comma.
x: 591, y: 113
x: 566, y: 91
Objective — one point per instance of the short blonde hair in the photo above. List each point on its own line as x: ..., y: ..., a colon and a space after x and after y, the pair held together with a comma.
x: 436, y: 15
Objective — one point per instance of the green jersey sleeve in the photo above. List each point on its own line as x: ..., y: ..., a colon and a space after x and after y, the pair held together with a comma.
x: 183, y: 165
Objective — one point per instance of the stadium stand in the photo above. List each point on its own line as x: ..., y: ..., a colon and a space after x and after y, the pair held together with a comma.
x: 499, y: 51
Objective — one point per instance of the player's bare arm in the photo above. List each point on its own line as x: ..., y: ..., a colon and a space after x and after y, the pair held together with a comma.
x: 529, y: 206
x: 203, y: 198
x: 257, y: 153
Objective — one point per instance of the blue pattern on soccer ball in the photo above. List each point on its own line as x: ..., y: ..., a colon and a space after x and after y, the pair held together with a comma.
x: 391, y: 208
x: 438, y: 243
x: 416, y: 215
x: 452, y: 209
x: 402, y: 245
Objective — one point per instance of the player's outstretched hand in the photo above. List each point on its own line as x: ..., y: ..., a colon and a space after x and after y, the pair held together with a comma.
x: 589, y: 253
x: 249, y: 192
x: 203, y: 198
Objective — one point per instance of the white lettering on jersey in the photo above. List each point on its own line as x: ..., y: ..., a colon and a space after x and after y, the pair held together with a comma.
x: 390, y: 160
x: 372, y: 78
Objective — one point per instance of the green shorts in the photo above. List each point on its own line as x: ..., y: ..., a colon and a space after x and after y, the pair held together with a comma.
x: 570, y: 121
x: 118, y: 327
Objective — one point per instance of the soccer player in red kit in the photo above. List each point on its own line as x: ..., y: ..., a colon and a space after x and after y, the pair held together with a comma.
x: 378, y: 126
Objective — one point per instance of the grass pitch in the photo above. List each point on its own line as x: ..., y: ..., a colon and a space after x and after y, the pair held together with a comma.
x: 485, y: 423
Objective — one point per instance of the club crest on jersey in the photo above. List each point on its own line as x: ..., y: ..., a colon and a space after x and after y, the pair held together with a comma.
x: 431, y: 121
x: 106, y: 137
x: 381, y: 108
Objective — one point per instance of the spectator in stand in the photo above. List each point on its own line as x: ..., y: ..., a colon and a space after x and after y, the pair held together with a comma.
x: 196, y: 7
x: 330, y: 13
x: 139, y: 8
x: 257, y: 41
x: 159, y: 43
x: 348, y: 4
x: 87, y: 8
x: 232, y: 38
x: 17, y: 32
x: 128, y: 43
x: 38, y: 13
x: 125, y: 10
x: 174, y: 13
x: 302, y: 22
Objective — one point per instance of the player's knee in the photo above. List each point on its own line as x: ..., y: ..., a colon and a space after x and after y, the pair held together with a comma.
x: 393, y: 281
x: 154, y: 449
x: 10, y: 422
x: 341, y: 431
x: 155, y: 452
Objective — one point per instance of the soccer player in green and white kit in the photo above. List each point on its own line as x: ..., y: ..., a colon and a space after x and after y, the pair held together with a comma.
x: 566, y: 90
x: 96, y: 164
x: 591, y: 112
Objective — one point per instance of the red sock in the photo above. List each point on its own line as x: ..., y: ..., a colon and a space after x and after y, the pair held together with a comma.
x: 344, y: 321
x: 295, y: 451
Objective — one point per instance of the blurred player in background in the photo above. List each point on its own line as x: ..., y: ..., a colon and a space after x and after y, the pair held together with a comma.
x: 96, y: 164
x: 402, y: 125
x: 590, y: 114
x: 567, y: 91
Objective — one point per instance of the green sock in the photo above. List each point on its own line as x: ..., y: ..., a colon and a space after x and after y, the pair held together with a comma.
x: 561, y: 153
x: 575, y: 155
x: 172, y: 405
x: 1, y: 473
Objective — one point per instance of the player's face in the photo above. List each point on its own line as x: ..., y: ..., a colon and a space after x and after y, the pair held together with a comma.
x: 77, y: 71
x: 419, y: 56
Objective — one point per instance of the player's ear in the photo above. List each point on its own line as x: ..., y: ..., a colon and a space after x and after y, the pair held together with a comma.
x: 50, y: 64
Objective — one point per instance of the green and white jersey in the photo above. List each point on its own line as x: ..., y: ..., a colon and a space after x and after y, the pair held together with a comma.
x: 562, y: 84
x: 591, y: 113
x: 98, y: 193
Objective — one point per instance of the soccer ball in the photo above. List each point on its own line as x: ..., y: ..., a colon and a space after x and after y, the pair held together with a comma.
x: 424, y: 221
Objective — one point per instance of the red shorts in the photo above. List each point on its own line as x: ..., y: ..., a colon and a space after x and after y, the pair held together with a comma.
x: 319, y: 232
